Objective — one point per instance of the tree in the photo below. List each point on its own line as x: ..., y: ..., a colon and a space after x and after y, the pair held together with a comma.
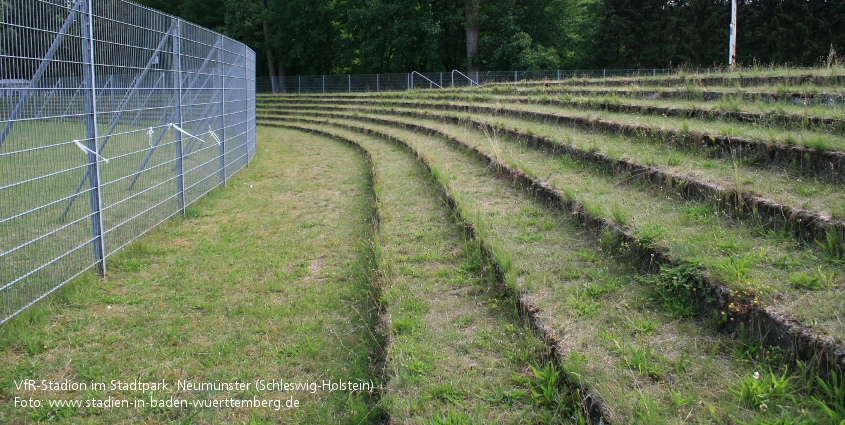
x: 473, y: 34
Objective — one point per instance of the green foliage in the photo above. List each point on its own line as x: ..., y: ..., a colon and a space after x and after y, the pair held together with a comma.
x: 676, y: 289
x: 833, y: 246
x: 505, y: 397
x: 583, y: 303
x: 453, y: 417
x: 728, y: 104
x: 309, y: 36
x: 644, y: 326
x: 619, y: 214
x: 814, y: 281
x: 763, y: 389
x: 544, y: 386
x: 648, y: 234
x: 646, y: 361
x: 830, y: 398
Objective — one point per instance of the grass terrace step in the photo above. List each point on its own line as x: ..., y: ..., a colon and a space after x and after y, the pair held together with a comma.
x: 456, y: 350
x: 816, y: 117
x: 717, y: 245
x: 822, y: 155
x: 772, y: 196
x: 806, y: 96
x: 646, y: 363
x: 749, y: 78
x: 793, y: 117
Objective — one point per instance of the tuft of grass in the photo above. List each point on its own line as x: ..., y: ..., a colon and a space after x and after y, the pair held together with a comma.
x: 830, y: 398
x: 833, y: 247
x: 677, y: 289
x: 728, y: 104
x: 619, y: 213
x: 645, y: 361
x: 764, y: 390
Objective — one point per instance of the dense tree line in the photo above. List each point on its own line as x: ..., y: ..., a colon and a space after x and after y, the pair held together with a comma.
x: 367, y: 36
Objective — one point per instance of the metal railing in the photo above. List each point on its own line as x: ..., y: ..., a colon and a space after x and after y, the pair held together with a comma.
x: 114, y: 118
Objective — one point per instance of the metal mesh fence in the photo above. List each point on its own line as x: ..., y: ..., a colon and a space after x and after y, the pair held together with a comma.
x: 114, y: 117
x: 435, y: 80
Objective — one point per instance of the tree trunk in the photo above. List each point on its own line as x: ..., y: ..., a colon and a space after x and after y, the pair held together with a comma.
x: 271, y: 57
x: 282, y: 74
x: 473, y: 28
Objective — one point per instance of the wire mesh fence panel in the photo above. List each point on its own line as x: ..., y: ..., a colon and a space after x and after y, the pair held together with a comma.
x: 349, y: 83
x: 114, y: 117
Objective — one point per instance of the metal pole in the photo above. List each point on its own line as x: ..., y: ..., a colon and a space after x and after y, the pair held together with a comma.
x: 378, y: 89
x: 732, y: 45
x: 350, y: 83
x: 91, y: 134
x: 515, y: 77
x: 441, y: 80
x: 244, y: 67
x: 222, y: 113
x: 324, y: 83
x: 299, y: 86
x: 177, y: 79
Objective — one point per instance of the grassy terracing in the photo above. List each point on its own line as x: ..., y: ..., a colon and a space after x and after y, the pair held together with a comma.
x: 664, y: 295
x: 480, y: 256
x: 456, y: 351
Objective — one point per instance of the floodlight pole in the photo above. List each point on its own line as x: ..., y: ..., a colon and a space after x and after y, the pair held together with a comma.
x: 732, y: 44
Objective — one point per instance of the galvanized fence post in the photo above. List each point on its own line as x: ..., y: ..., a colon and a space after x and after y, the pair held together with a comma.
x: 222, y: 112
x: 91, y: 133
x: 324, y: 83
x: 177, y: 87
x: 246, y: 142
x: 378, y: 89
x: 350, y: 83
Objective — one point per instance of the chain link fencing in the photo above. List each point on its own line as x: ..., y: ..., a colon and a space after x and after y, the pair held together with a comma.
x: 114, y: 118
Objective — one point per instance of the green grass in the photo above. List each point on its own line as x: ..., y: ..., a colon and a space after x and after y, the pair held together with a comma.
x: 720, y: 127
x: 776, y: 184
x: 265, y: 279
x: 452, y: 339
x: 639, y: 341
x: 544, y: 271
